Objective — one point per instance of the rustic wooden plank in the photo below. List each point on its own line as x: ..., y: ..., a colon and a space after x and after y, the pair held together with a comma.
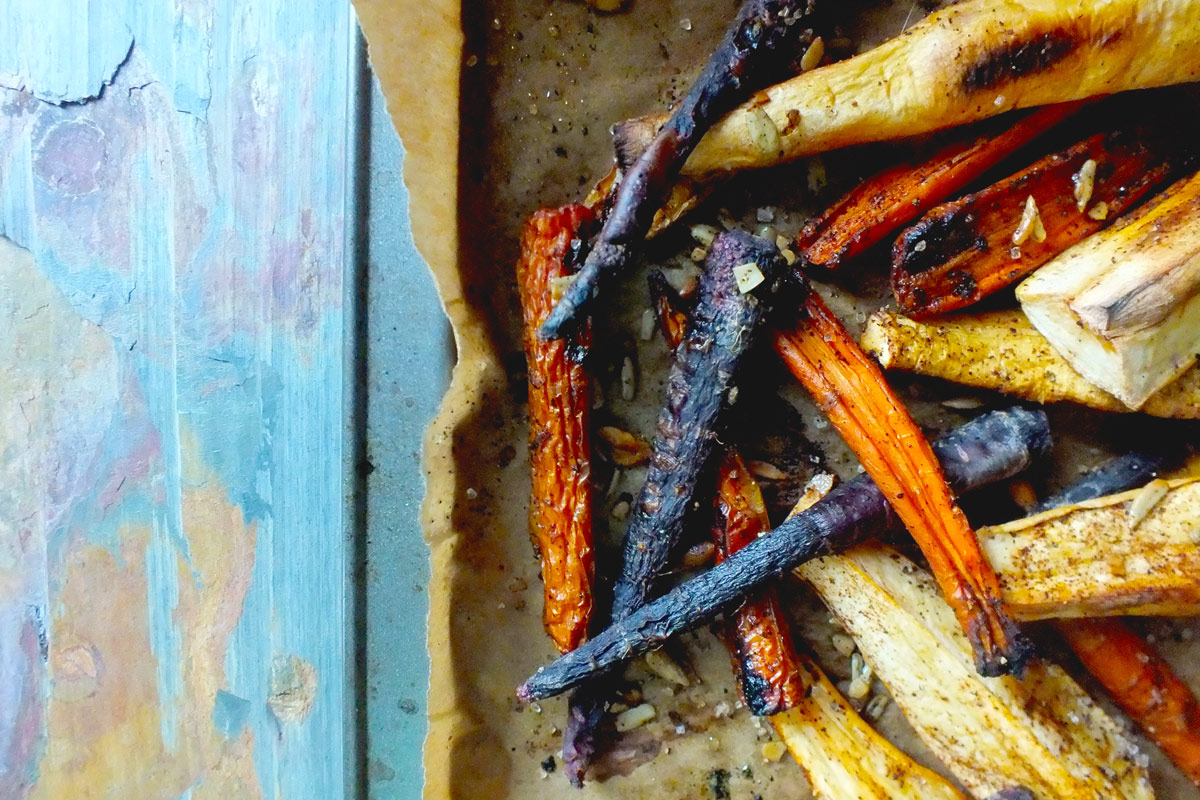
x: 173, y: 600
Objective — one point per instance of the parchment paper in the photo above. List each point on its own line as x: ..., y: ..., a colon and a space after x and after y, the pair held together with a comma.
x: 540, y: 84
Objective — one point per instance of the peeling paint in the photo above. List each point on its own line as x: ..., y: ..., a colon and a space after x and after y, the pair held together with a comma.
x: 34, y: 36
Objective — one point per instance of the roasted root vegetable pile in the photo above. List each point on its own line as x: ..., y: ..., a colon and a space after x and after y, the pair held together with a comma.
x: 1082, y: 198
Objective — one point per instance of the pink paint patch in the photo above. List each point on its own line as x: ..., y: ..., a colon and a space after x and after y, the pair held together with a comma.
x: 70, y: 156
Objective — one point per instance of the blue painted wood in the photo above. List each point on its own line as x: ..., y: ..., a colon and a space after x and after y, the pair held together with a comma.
x: 174, y: 613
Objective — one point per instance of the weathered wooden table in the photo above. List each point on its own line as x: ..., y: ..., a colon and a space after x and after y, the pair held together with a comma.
x: 218, y: 348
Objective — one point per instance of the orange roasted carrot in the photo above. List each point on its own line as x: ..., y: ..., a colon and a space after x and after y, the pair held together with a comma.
x: 851, y: 390
x: 963, y: 251
x: 768, y: 668
x: 560, y: 510
x: 896, y: 196
x: 1142, y: 684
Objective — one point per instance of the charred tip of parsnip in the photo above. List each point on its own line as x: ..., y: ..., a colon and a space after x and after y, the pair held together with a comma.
x: 952, y: 68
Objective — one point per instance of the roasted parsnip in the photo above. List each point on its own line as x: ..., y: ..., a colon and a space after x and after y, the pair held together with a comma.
x: 896, y: 196
x: 1002, y: 351
x: 1123, y: 307
x: 844, y: 757
x: 1041, y: 733
x: 853, y: 393
x: 1132, y: 553
x: 973, y: 60
x: 1132, y: 671
x: 560, y: 510
x: 965, y: 250
x: 839, y: 751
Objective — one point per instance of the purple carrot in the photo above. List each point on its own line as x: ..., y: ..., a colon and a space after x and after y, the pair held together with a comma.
x: 698, y: 390
x: 990, y: 448
x: 701, y: 383
x: 766, y: 37
x: 1123, y: 472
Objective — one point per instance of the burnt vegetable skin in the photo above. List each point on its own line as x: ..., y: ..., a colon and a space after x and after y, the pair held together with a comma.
x: 896, y: 196
x: 769, y: 671
x: 764, y: 658
x: 760, y: 46
x: 700, y: 385
x: 990, y: 448
x: 963, y: 251
x: 850, y: 389
x: 560, y: 511
x: 701, y: 379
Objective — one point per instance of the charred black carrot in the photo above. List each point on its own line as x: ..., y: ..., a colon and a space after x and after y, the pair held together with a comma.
x: 560, y: 511
x: 765, y: 38
x: 963, y: 251
x: 1117, y: 475
x: 896, y: 196
x: 586, y: 708
x: 769, y: 671
x: 852, y: 391
x: 990, y: 448
x: 740, y: 270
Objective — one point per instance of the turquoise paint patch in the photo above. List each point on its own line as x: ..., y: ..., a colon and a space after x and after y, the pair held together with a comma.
x: 162, y: 598
x: 230, y: 713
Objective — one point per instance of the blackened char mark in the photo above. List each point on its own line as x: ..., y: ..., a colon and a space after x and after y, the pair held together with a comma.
x: 704, y: 372
x: 1013, y: 793
x: 1023, y: 56
x: 935, y: 240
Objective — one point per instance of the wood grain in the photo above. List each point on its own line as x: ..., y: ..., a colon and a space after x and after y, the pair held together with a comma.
x: 173, y: 551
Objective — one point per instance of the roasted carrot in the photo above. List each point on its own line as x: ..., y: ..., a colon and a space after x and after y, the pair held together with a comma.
x: 896, y: 196
x: 989, y: 448
x: 763, y: 41
x: 1142, y: 684
x: 963, y: 251
x: 764, y: 659
x: 728, y: 311
x: 732, y: 299
x: 560, y: 510
x: 851, y: 390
